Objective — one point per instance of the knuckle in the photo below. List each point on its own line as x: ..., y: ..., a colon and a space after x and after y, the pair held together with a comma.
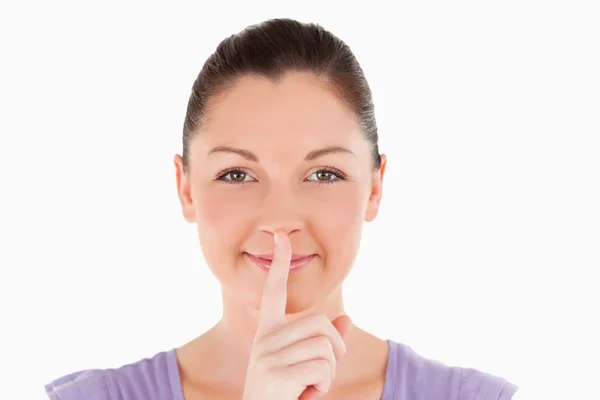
x: 324, y: 344
x: 323, y: 366
x: 323, y: 319
x: 317, y: 318
x: 278, y: 375
x: 273, y: 361
x: 319, y: 323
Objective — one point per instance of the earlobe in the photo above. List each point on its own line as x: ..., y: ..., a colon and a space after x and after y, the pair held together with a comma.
x: 183, y: 190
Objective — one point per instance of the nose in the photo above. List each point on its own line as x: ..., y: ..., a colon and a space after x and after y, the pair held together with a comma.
x: 281, y: 210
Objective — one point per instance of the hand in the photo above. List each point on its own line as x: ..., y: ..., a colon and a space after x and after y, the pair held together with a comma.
x: 296, y: 360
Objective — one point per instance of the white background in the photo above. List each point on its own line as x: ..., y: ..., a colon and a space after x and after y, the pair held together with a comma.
x: 485, y: 253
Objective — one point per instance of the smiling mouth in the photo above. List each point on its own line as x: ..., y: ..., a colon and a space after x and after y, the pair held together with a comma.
x: 264, y: 261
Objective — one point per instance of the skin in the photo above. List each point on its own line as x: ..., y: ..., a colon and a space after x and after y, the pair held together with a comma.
x: 283, y: 192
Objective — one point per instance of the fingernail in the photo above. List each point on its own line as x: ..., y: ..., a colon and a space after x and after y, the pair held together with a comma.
x: 275, y: 238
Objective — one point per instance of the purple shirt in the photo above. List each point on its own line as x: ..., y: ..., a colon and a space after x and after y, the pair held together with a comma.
x: 409, y: 376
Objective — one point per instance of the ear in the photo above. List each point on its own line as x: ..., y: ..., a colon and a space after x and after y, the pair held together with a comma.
x: 183, y: 190
x: 376, y: 191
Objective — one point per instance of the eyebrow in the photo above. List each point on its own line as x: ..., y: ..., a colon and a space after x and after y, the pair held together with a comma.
x: 248, y: 155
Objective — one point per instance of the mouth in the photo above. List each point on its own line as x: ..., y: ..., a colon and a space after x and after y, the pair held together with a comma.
x: 264, y: 261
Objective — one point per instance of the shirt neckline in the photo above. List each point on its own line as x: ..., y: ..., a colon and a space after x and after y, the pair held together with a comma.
x: 389, y: 387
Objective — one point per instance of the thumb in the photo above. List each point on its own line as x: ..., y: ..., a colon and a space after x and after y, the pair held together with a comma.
x: 343, y: 323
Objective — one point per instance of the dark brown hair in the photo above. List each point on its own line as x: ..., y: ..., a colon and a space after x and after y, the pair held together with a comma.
x: 271, y: 49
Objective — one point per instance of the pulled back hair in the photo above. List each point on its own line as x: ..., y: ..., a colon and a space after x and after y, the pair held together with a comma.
x: 270, y: 50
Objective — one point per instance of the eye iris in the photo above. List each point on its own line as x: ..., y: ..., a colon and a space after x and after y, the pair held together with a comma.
x: 237, y: 175
x: 324, y: 174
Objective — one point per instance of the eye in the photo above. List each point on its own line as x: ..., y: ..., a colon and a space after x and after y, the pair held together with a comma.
x: 324, y: 175
x: 327, y: 176
x: 234, y: 176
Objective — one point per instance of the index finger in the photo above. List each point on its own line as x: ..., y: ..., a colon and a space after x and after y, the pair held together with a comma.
x: 274, y: 297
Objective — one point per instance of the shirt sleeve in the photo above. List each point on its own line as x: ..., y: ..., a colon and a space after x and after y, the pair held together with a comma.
x: 477, y: 385
x: 82, y: 385
x: 508, y: 391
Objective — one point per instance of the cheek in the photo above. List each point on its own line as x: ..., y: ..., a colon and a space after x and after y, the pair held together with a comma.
x: 340, y: 221
x: 219, y: 213
x: 342, y: 216
x: 221, y: 221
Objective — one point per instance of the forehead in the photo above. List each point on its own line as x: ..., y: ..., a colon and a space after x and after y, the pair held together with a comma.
x: 299, y: 107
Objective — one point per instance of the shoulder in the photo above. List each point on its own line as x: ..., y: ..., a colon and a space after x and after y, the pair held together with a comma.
x: 417, y: 377
x: 148, y: 379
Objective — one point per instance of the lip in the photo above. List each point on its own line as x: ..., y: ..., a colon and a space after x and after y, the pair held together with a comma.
x: 263, y: 261
x: 270, y: 256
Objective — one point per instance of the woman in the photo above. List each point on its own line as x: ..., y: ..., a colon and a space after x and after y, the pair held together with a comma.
x: 280, y: 168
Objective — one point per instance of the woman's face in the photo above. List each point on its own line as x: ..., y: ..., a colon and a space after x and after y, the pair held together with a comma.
x: 288, y: 156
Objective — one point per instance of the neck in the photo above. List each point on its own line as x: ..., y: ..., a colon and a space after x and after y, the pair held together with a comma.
x: 219, y: 358
x: 227, y: 346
